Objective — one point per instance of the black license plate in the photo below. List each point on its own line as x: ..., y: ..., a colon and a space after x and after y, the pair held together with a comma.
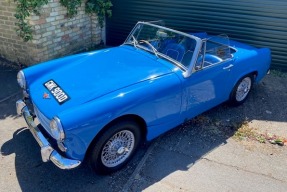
x: 58, y: 93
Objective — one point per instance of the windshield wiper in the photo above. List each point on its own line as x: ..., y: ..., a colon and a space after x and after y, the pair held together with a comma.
x: 150, y: 45
x: 135, y: 42
x: 132, y: 41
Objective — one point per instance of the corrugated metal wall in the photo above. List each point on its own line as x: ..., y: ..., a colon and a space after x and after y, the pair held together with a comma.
x: 262, y: 23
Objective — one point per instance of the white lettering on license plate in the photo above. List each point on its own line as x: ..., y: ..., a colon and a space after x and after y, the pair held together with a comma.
x: 56, y: 91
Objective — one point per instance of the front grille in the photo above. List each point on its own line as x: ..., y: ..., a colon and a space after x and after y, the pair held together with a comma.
x: 45, y: 122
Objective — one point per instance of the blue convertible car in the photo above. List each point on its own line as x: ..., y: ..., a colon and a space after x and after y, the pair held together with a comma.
x: 102, y: 105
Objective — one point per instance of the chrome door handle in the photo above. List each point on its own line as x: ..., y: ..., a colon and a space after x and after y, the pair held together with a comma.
x: 228, y: 67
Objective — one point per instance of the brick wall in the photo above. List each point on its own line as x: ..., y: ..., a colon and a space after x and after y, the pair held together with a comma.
x: 55, y: 34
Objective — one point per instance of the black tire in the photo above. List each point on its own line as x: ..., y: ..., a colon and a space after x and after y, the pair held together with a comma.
x: 241, y: 90
x: 119, y: 152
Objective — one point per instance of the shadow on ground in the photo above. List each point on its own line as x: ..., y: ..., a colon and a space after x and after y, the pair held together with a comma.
x: 34, y: 175
x: 9, y: 88
x: 176, y: 150
x: 8, y: 78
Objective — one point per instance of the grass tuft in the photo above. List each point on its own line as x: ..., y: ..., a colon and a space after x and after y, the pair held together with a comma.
x: 245, y: 132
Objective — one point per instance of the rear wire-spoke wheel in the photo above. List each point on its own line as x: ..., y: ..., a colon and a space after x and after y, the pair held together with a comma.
x: 241, y: 90
x: 115, y: 147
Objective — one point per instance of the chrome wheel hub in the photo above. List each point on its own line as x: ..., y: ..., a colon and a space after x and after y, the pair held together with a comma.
x: 121, y: 150
x: 243, y: 89
x: 118, y: 148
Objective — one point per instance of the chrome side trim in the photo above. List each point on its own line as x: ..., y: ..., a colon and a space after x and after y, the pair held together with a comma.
x: 228, y: 67
x: 47, y: 152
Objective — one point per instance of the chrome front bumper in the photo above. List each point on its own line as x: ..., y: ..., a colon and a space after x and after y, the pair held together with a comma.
x: 47, y: 152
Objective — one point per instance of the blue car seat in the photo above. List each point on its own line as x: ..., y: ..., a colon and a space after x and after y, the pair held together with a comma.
x: 175, y: 51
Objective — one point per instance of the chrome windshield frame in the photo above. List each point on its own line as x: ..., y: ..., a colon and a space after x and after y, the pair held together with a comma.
x: 187, y: 71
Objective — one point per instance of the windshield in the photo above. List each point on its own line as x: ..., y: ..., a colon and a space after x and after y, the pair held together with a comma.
x: 166, y: 43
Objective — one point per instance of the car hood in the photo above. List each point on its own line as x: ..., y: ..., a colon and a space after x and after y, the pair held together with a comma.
x: 92, y: 75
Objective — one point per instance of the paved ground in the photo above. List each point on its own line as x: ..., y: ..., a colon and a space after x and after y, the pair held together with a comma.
x: 201, y: 155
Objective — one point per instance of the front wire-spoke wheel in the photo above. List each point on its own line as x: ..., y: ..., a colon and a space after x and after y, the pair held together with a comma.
x: 115, y: 147
x: 118, y: 148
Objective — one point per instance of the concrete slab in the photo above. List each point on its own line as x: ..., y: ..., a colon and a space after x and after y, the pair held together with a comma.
x: 253, y: 157
x: 230, y: 167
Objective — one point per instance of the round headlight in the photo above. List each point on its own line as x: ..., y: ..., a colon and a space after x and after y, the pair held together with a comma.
x: 57, y: 129
x: 21, y: 79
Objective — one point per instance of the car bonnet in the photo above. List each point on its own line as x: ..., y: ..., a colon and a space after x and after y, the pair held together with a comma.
x: 93, y: 76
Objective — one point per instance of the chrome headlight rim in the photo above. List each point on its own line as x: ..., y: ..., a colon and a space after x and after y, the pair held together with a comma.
x: 57, y: 130
x: 21, y: 79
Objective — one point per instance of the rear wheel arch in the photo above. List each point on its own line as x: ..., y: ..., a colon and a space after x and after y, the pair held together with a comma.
x: 253, y: 73
x: 232, y: 100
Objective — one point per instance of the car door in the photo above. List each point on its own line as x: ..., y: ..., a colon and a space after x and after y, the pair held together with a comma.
x: 208, y: 85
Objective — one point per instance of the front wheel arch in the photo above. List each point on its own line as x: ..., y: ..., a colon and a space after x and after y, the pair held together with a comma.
x: 137, y: 119
x: 115, y: 147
